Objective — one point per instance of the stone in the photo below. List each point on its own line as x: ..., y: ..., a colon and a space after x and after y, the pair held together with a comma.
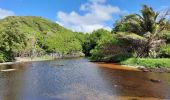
x: 155, y: 80
x: 146, y: 70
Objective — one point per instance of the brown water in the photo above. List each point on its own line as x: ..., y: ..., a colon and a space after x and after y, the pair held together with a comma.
x: 79, y: 79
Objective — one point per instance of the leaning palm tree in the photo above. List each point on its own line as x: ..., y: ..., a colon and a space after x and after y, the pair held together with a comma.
x: 149, y: 24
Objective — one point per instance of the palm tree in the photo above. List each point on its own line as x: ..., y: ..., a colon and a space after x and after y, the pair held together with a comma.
x: 149, y: 24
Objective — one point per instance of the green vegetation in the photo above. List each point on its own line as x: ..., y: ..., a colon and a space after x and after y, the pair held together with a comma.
x: 96, y: 40
x: 34, y: 36
x: 137, y: 39
x: 165, y: 50
x: 148, y: 62
x: 149, y: 25
x: 2, y: 57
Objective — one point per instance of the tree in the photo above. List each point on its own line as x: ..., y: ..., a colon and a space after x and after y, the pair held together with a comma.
x: 12, y: 42
x: 149, y: 24
x: 97, y: 37
x: 20, y: 35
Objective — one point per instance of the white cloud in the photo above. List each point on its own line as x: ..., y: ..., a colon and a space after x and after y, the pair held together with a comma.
x: 96, y: 14
x: 4, y: 13
x: 86, y: 28
x: 97, y: 1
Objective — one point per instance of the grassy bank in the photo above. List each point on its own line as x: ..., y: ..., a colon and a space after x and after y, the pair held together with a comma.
x: 148, y: 62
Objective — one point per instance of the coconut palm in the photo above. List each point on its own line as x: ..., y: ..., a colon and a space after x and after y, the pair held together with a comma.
x: 149, y: 24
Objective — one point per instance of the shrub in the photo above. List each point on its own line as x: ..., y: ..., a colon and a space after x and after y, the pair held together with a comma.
x: 165, y: 50
x: 96, y: 55
x: 166, y: 35
x: 148, y: 62
x: 120, y: 57
x: 1, y: 58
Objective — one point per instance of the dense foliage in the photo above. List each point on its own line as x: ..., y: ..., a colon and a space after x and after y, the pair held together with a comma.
x: 32, y: 35
x: 95, y: 40
x: 136, y: 37
x: 150, y: 25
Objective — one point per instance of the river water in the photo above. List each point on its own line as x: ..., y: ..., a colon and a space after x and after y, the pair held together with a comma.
x: 79, y: 79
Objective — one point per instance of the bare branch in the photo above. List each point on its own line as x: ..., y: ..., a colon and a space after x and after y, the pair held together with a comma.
x: 165, y: 13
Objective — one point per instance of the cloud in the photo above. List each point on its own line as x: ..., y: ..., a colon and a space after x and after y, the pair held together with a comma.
x: 4, y: 13
x: 97, y: 1
x: 87, y: 28
x: 96, y: 14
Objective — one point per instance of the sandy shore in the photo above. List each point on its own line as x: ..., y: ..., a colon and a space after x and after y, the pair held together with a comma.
x: 26, y: 59
x: 8, y: 63
x: 132, y: 68
x: 119, y: 67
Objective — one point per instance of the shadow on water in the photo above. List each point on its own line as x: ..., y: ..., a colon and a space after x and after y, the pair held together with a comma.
x: 79, y: 79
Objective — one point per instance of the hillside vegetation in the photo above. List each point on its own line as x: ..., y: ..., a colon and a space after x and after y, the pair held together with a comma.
x: 35, y: 35
x: 136, y: 39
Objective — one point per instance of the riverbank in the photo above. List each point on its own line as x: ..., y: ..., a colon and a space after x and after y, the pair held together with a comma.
x: 149, y: 64
x: 129, y: 64
x: 144, y: 64
x: 43, y: 58
x: 117, y: 66
x: 27, y: 59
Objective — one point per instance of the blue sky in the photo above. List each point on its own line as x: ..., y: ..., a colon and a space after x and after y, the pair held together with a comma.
x: 78, y: 15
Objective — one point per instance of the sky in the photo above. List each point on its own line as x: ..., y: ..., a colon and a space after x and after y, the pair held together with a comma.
x: 78, y: 15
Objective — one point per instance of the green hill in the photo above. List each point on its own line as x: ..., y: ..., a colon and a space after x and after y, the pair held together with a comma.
x: 25, y: 34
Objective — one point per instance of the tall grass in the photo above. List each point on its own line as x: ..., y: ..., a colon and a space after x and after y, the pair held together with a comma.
x: 148, y: 62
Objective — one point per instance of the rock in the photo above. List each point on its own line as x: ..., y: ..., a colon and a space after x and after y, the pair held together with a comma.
x: 162, y: 71
x: 168, y: 70
x: 8, y: 70
x: 158, y: 70
x: 146, y: 70
x: 59, y: 65
x: 135, y: 99
x: 155, y: 80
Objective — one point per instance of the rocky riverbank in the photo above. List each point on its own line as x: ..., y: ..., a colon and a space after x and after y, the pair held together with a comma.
x: 134, y: 68
x: 42, y: 58
x: 145, y: 69
x: 159, y: 70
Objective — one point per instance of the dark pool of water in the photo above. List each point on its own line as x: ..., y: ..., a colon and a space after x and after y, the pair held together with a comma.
x: 79, y: 79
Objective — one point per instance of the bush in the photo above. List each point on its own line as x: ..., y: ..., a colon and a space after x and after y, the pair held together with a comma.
x: 120, y: 57
x: 96, y: 55
x: 165, y: 50
x: 1, y: 58
x: 148, y: 62
x: 166, y: 35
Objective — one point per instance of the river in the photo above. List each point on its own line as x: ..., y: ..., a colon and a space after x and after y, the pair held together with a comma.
x: 79, y: 79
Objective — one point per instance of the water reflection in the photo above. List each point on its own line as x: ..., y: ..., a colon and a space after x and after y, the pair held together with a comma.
x: 79, y: 79
x: 11, y: 82
x: 130, y: 83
